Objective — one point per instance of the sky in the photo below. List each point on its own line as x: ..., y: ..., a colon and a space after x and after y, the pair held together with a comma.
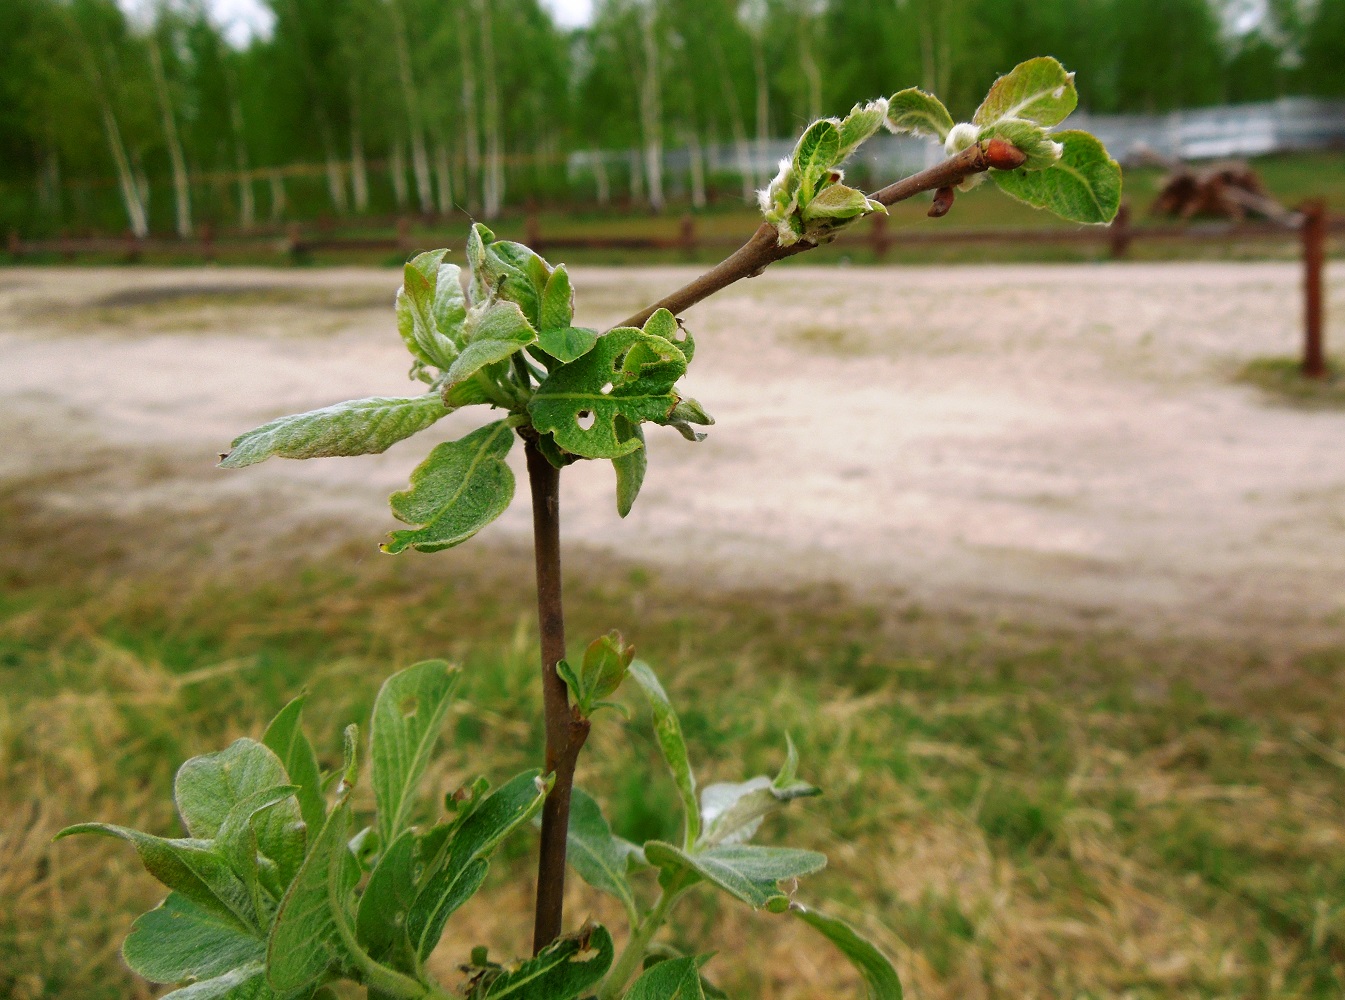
x: 244, y: 18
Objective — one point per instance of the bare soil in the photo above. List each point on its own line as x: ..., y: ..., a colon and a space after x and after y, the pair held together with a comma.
x: 1063, y: 443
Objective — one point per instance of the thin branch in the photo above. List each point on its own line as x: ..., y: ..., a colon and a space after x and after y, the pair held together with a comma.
x: 763, y: 248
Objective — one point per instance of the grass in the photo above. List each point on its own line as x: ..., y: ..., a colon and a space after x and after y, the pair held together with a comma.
x: 1283, y: 381
x: 1012, y: 812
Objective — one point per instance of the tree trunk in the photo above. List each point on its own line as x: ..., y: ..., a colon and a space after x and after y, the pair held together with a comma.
x: 445, y: 177
x: 651, y: 109
x: 420, y: 160
x: 181, y: 186
x: 130, y: 194
x: 247, y: 209
x: 697, y: 156
x: 763, y: 108
x: 472, y: 135
x: 493, y: 188
x: 397, y: 167
x: 359, y: 170
x: 277, y: 196
x: 600, y: 177
x: 745, y: 170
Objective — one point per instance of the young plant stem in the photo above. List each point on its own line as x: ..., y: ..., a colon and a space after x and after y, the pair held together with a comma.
x: 633, y: 954
x: 566, y: 730
x: 763, y: 248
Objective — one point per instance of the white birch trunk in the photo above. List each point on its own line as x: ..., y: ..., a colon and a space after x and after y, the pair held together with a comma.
x: 278, y: 200
x: 493, y: 188
x: 397, y: 167
x: 444, y: 176
x: 130, y: 194
x: 697, y: 156
x: 651, y: 108
x: 472, y: 135
x: 600, y: 177
x: 181, y: 185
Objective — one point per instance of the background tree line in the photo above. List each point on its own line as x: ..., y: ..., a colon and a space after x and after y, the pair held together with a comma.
x: 353, y: 106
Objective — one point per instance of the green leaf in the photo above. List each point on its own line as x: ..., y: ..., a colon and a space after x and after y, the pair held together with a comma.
x: 416, y: 309
x: 450, y: 304
x: 664, y: 324
x: 559, y: 971
x: 566, y: 343
x: 630, y: 468
x: 408, y: 715
x: 917, y: 113
x: 246, y: 982
x: 817, y: 153
x: 355, y: 427
x: 668, y: 731
x: 1039, y: 90
x: 629, y: 373
x: 509, y: 271
x: 672, y: 979
x: 380, y: 922
x: 307, y: 937
x: 862, y: 122
x: 1084, y: 186
x: 836, y: 201
x: 179, y: 940
x: 686, y: 413
x: 1029, y: 138
x: 285, y: 737
x: 459, y: 489
x: 557, y: 302
x: 879, y: 976
x: 601, y: 671
x: 458, y: 872
x: 188, y: 867
x: 497, y: 332
x: 732, y: 812
x: 208, y: 787
x: 237, y: 843
x: 745, y: 871
x: 593, y: 852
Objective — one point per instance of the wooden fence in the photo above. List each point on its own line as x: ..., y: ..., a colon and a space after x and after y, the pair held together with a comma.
x: 1309, y: 226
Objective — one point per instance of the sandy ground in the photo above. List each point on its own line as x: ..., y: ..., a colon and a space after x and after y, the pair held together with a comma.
x: 1064, y: 442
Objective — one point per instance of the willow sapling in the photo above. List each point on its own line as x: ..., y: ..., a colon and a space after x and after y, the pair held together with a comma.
x: 279, y: 890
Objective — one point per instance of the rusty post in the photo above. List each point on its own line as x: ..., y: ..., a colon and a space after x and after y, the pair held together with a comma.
x: 688, y: 236
x: 294, y: 242
x: 878, y: 235
x: 207, y: 242
x: 15, y: 244
x: 403, y: 234
x: 1118, y: 233
x: 1313, y: 233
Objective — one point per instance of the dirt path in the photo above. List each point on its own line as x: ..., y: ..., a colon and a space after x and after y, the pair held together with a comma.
x: 1060, y: 441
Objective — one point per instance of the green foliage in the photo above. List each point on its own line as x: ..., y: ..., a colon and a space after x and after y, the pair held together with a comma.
x: 600, y: 673
x: 915, y: 112
x: 879, y: 976
x: 674, y: 979
x: 560, y: 971
x: 1083, y: 185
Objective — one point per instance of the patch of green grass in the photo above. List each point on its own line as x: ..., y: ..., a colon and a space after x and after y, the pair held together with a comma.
x: 1283, y: 381
x: 1003, y: 805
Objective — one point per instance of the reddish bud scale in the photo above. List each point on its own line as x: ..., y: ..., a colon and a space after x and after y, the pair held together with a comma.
x: 943, y: 201
x: 1004, y: 155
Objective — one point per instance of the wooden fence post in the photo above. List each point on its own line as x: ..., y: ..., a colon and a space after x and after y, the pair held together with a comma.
x: 533, y: 228
x: 688, y: 236
x: 404, y: 235
x: 207, y: 242
x: 878, y: 235
x: 294, y: 242
x: 1313, y: 233
x: 15, y: 244
x: 1119, y: 235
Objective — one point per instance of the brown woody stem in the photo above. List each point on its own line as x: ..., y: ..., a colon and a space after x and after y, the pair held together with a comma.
x: 566, y: 730
x: 763, y: 248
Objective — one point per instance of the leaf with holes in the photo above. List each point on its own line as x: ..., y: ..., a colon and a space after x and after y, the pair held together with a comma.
x: 563, y: 970
x: 355, y: 427
x: 1083, y: 186
x: 915, y: 112
x: 880, y: 979
x: 1040, y: 90
x: 459, y: 489
x: 747, y: 872
x: 179, y: 940
x: 408, y: 715
x: 458, y: 872
x: 668, y: 731
x: 629, y: 373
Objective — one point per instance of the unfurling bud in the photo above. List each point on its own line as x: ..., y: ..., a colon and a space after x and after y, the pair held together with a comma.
x: 943, y: 201
x: 1004, y: 155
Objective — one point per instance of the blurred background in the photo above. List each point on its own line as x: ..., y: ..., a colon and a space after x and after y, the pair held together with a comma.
x: 1031, y: 535
x: 164, y: 117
